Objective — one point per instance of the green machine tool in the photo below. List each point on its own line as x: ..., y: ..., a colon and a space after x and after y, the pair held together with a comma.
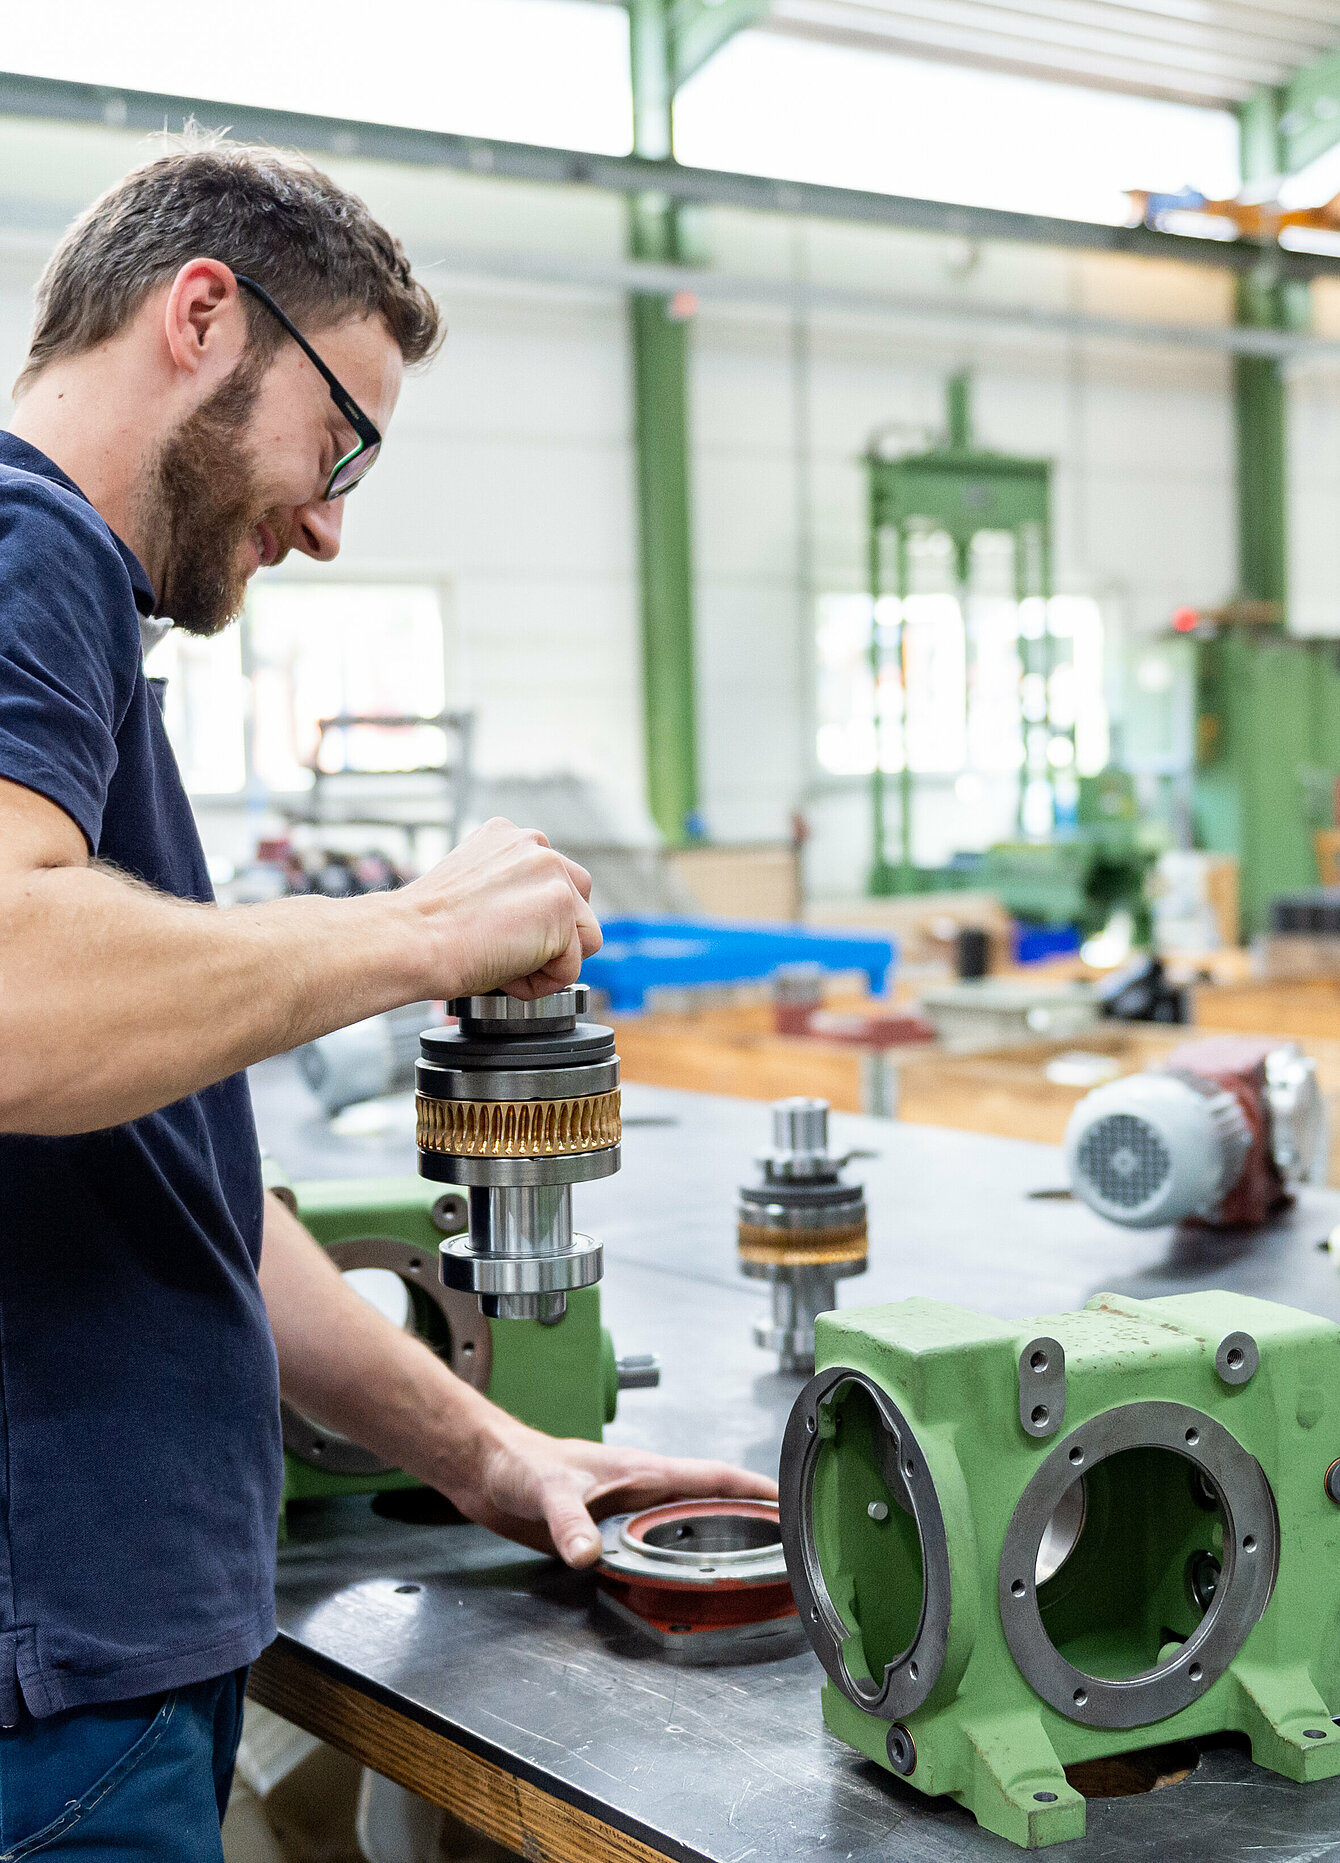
x: 1016, y: 1547
x: 516, y: 1103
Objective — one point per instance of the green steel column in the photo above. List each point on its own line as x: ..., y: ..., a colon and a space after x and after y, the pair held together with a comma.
x: 1259, y: 419
x: 659, y: 343
x: 1258, y: 385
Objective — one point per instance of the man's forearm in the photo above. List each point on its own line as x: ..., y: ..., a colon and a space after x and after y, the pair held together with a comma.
x: 344, y: 1365
x: 349, y: 1368
x: 115, y: 1000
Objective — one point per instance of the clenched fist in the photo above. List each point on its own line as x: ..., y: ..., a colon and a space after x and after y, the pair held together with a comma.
x: 504, y: 910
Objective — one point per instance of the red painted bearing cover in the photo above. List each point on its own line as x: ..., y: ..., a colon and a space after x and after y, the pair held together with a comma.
x: 698, y: 1565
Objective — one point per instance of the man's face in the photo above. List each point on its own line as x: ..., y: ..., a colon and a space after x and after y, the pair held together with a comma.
x: 239, y: 483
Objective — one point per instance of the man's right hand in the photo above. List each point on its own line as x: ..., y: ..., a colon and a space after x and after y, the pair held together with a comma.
x: 504, y: 910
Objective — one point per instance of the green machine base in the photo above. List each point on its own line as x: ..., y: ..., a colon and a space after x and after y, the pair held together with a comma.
x: 561, y: 1378
x: 1019, y: 1547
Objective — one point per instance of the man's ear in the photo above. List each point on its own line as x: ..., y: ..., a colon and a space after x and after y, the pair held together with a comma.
x: 204, y: 319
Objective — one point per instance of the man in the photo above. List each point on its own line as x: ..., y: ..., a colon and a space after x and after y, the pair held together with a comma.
x: 218, y: 348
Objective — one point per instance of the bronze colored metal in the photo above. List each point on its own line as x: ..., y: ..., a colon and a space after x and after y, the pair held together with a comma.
x: 803, y: 1248
x: 519, y: 1128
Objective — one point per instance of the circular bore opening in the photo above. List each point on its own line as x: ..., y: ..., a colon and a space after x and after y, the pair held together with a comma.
x: 1060, y: 1537
x: 1123, y: 1564
x: 1234, y: 1358
x: 1038, y: 1362
x: 1077, y: 1455
x: 383, y: 1289
x: 1045, y: 1798
x: 1314, y: 1733
x: 1249, y: 1542
x: 882, y: 1589
x: 406, y: 1306
x: 1193, y: 1437
x: 1040, y: 1415
x: 1018, y: 1588
x: 714, y: 1533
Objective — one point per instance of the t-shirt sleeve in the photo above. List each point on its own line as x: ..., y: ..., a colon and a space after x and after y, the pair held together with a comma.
x: 69, y: 649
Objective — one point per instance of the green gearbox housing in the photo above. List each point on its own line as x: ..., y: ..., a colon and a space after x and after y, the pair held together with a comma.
x: 1016, y: 1547
x: 561, y: 1378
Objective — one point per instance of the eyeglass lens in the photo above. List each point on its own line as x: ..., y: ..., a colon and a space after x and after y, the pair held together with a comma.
x: 349, y: 471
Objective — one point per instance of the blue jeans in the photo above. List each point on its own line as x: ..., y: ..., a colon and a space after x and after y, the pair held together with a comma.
x: 130, y: 1782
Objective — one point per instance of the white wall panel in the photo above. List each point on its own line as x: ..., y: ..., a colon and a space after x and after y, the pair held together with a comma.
x: 508, y: 479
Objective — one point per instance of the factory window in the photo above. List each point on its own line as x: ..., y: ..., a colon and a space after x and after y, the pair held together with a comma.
x: 243, y: 710
x: 969, y: 704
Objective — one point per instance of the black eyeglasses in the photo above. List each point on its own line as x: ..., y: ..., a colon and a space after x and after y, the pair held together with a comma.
x: 360, y: 459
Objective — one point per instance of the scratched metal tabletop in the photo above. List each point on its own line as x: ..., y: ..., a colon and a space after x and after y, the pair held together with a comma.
x: 501, y: 1650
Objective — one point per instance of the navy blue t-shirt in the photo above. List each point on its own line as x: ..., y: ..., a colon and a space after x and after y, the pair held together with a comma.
x: 140, y: 1458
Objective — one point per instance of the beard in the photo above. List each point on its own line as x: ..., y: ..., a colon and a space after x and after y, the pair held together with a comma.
x: 203, y: 499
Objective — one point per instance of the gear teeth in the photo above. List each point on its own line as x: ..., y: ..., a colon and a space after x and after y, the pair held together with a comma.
x: 519, y: 1128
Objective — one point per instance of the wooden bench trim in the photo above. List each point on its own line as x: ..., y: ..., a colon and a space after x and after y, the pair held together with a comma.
x: 537, y: 1825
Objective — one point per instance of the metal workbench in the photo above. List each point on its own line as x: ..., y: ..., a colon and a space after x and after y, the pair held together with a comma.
x: 478, y: 1673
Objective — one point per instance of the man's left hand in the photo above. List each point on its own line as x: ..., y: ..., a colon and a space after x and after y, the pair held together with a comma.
x: 549, y: 1493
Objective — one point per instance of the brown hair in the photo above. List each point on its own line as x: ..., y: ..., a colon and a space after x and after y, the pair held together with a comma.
x: 264, y: 212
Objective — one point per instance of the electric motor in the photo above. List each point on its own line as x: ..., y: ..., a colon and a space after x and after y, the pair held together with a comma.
x: 1216, y: 1137
x: 518, y: 1103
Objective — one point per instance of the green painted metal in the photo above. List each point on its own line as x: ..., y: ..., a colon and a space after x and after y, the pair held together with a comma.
x: 1308, y: 114
x: 1122, y: 1601
x: 562, y: 1379
x: 668, y: 41
x: 1267, y: 714
x: 962, y: 490
x: 659, y: 345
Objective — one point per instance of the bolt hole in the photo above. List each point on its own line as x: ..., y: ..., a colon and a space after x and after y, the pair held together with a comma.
x: 415, y: 1265
x: 814, y: 1613
x: 909, y: 1466
x: 1077, y: 1455
x: 1195, y: 1672
x: 1045, y: 1798
x: 1040, y: 1415
x: 1193, y: 1437
x: 811, y: 1425
x: 1234, y: 1359
x: 912, y: 1670
x: 405, y: 1589
x: 1038, y: 1361
x: 1081, y: 1696
x: 1249, y: 1542
x: 1314, y: 1733
x: 1018, y: 1588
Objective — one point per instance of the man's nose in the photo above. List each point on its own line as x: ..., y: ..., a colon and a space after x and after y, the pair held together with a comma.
x: 317, y: 528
